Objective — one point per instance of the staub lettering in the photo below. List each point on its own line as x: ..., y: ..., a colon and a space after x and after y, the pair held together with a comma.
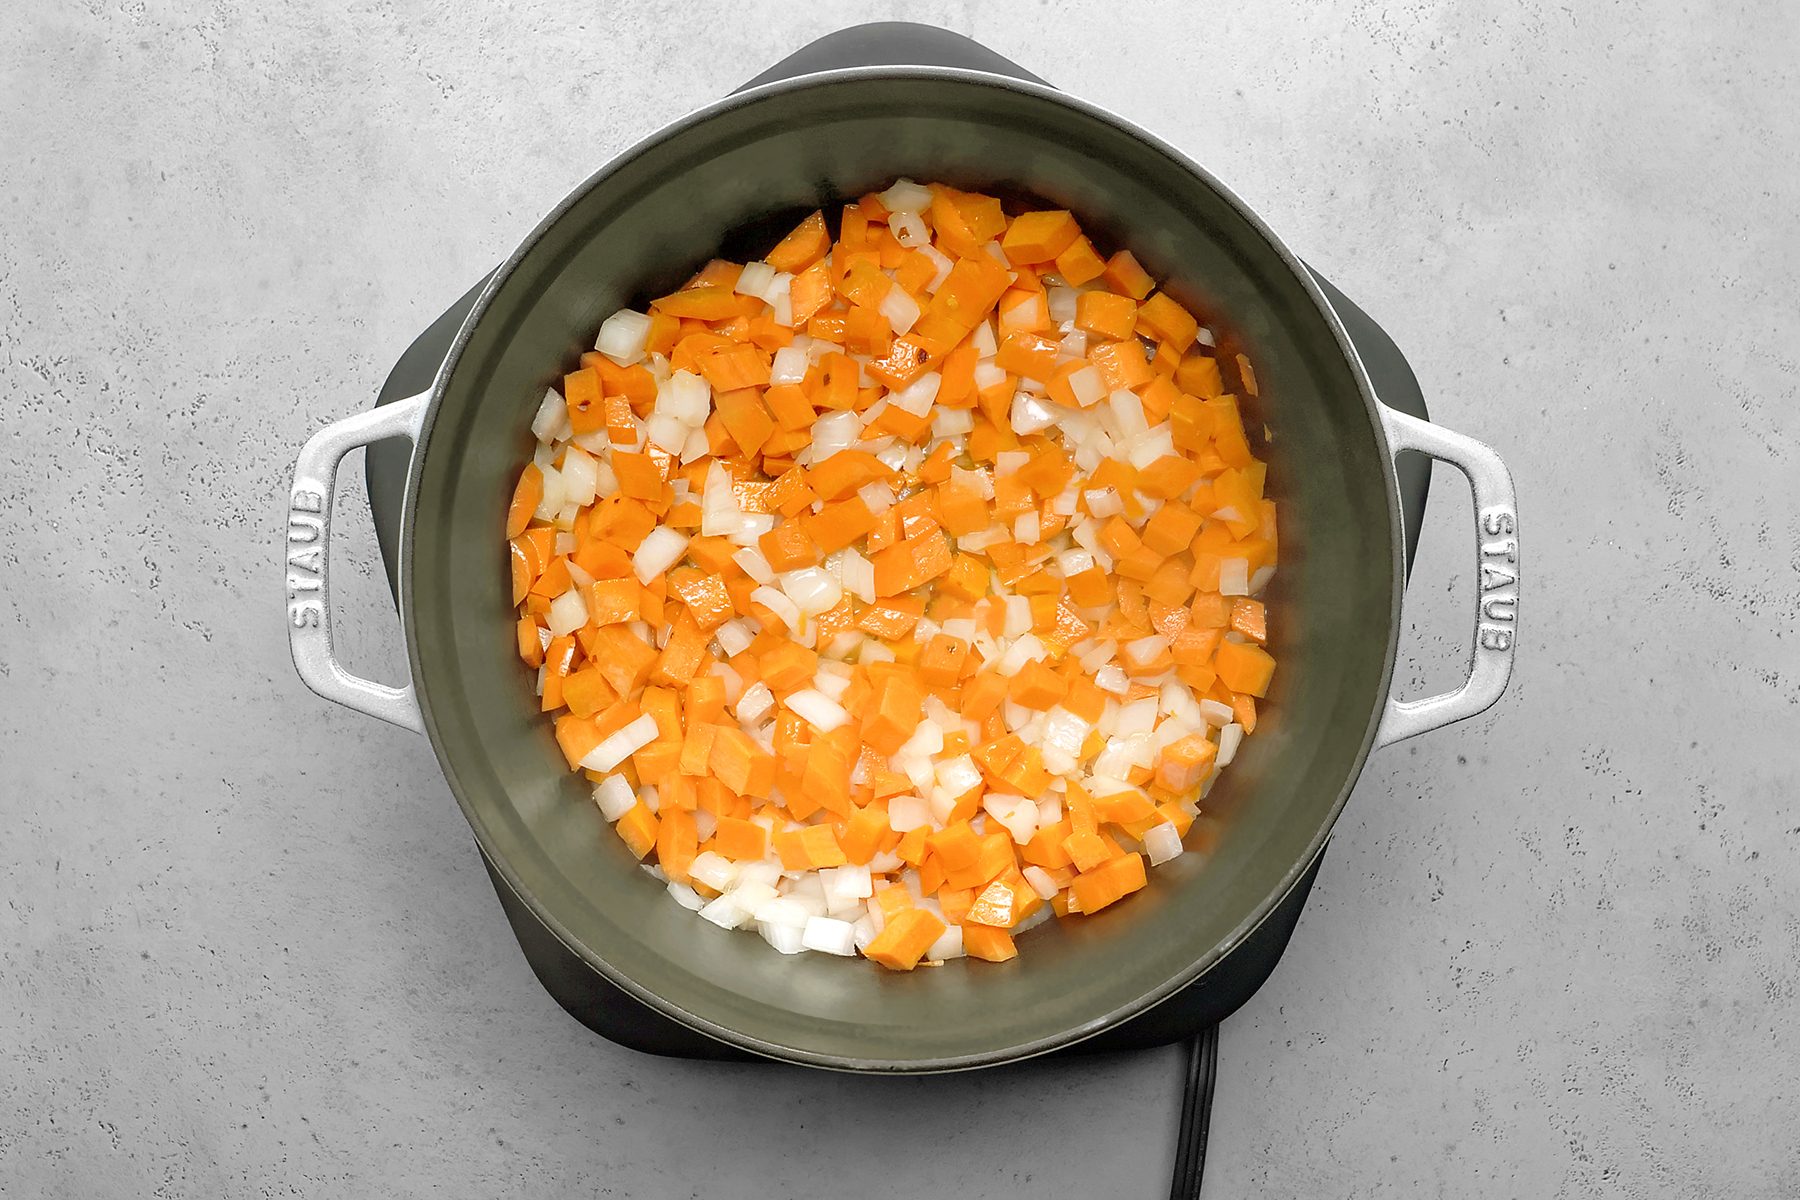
x: 1499, y: 581
x: 306, y: 559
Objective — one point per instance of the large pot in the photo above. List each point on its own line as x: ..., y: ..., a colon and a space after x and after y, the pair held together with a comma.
x: 732, y: 176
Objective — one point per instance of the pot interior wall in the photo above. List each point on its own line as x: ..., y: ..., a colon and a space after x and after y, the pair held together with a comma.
x: 733, y: 180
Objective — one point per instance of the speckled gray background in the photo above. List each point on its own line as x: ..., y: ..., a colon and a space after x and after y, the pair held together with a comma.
x: 246, y: 947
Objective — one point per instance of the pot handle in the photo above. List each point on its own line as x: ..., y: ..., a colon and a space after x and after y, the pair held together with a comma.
x: 1497, y: 578
x: 308, y: 557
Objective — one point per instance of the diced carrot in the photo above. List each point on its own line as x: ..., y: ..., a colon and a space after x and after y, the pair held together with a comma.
x: 1106, y: 314
x: 988, y: 943
x: 1126, y: 276
x: 677, y: 842
x: 1244, y: 667
x: 839, y: 525
x: 1167, y: 321
x: 809, y: 848
x: 1249, y: 618
x: 1113, y: 880
x: 1028, y: 355
x: 1080, y: 263
x: 638, y: 829
x: 1122, y: 364
x: 905, y: 939
x: 527, y: 495
x: 708, y: 302
x: 805, y: 245
x: 1036, y: 237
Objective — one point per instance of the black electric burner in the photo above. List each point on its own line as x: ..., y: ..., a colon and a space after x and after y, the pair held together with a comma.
x: 619, y: 1017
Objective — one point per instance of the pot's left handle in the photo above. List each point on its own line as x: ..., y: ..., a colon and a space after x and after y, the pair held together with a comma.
x: 308, y: 561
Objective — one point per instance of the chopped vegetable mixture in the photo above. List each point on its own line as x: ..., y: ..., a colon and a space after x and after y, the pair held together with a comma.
x: 898, y: 592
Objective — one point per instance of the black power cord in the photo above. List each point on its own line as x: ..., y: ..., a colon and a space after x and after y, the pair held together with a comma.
x: 1196, y: 1114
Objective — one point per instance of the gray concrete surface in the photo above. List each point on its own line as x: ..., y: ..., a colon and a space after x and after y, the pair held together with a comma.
x: 246, y: 947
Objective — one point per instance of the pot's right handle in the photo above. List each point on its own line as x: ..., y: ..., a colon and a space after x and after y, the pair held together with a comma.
x: 1496, y: 584
x: 308, y: 546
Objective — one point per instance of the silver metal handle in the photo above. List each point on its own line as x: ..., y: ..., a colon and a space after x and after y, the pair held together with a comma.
x: 1497, y: 578
x: 308, y: 543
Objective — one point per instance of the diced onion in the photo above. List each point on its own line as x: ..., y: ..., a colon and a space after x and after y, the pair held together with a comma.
x: 1128, y: 411
x: 812, y: 589
x: 986, y: 345
x: 686, y: 896
x: 568, y: 612
x: 939, y: 260
x: 905, y: 196
x: 1162, y: 843
x: 621, y: 744
x: 817, y: 709
x: 666, y: 432
x: 829, y: 936
x: 1031, y: 414
x: 788, y: 939
x: 687, y: 397
x: 661, y: 549
x: 777, y: 602
x: 712, y: 869
x: 907, y: 813
x: 900, y: 309
x: 552, y: 420
x: 859, y: 576
x: 754, y: 280
x: 909, y: 230
x: 1040, y: 881
x: 1234, y: 577
x: 833, y: 432
x: 755, y: 703
x: 1230, y: 738
x: 1215, y: 713
x: 949, y: 944
x: 1103, y: 502
x: 623, y: 336
x: 917, y: 397
x: 1260, y: 580
x: 790, y: 365
x: 755, y: 565
x: 615, y: 798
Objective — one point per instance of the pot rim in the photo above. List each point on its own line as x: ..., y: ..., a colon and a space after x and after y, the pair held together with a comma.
x: 1149, y: 998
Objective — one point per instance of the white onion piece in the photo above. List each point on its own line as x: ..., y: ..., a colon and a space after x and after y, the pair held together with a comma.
x: 551, y: 424
x: 755, y: 703
x: 951, y: 423
x: 1062, y: 303
x: 755, y: 564
x: 1234, y: 577
x: 1103, y: 502
x: 553, y: 501
x: 661, y: 549
x: 984, y: 341
x: 1260, y: 580
x: 1031, y: 414
x: 790, y: 366
x: 1040, y: 881
x: 1128, y: 412
x: 905, y: 196
x: 1230, y: 738
x: 812, y: 589
x: 734, y: 636
x: 916, y: 397
x: 568, y: 612
x: 949, y: 945
x: 686, y: 896
x: 1135, y: 719
x: 687, y: 397
x: 977, y: 480
x: 621, y: 744
x: 623, y: 336
x: 988, y: 374
x: 788, y: 939
x: 1215, y: 713
x: 1016, y: 813
x: 1144, y: 650
x: 615, y: 798
x: 1162, y: 843
x: 817, y: 709
x: 714, y: 870
x: 859, y: 576
x: 777, y: 602
x: 1024, y: 649
x: 829, y: 936
x: 831, y: 433
x: 909, y: 230
x: 666, y: 432
x: 939, y: 260
x: 907, y: 813
x: 1151, y: 445
x: 754, y: 280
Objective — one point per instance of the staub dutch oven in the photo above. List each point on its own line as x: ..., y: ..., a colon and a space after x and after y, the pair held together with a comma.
x: 731, y: 177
